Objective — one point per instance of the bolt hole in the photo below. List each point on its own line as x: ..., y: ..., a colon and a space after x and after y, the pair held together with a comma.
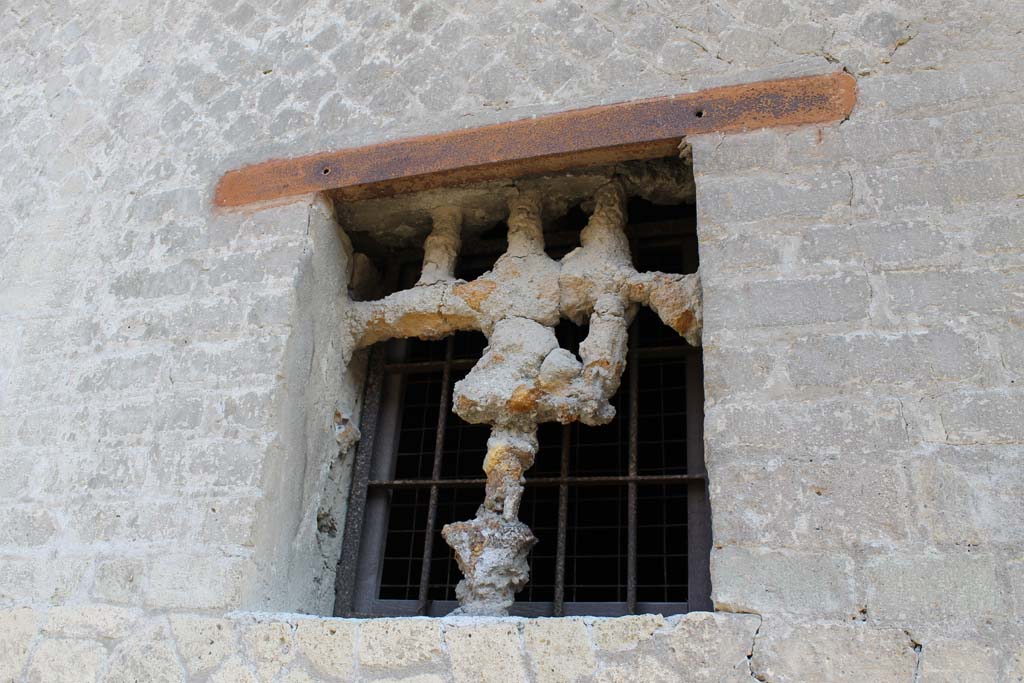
x: 326, y: 171
x: 699, y: 113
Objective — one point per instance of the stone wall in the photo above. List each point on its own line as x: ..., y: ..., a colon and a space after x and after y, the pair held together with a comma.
x: 168, y: 379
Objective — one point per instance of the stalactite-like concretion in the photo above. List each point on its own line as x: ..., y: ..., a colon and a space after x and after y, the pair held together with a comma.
x: 524, y: 377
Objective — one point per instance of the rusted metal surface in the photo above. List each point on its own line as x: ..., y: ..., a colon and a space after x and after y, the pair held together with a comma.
x: 558, y: 606
x: 344, y: 578
x: 442, y: 420
x: 643, y: 129
x: 603, y: 480
x: 633, y: 365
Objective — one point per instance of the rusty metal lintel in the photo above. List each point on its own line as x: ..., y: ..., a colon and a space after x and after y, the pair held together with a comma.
x: 642, y: 129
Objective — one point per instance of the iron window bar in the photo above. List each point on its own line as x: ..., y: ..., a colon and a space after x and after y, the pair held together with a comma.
x: 356, y: 575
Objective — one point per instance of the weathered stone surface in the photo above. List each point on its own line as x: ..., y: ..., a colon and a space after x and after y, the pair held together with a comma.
x: 118, y: 580
x: 235, y: 670
x: 145, y: 656
x: 953, y: 661
x: 328, y: 645
x: 625, y: 633
x: 59, y: 660
x: 271, y: 645
x: 203, y: 642
x: 834, y: 653
x: 772, y: 581
x: 17, y: 630
x: 485, y: 652
x: 779, y: 303
x: 398, y: 643
x: 829, y: 503
x: 558, y: 650
x: 917, y: 587
x: 712, y: 646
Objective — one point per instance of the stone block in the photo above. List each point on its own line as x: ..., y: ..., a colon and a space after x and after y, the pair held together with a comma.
x: 625, y: 633
x: 97, y: 622
x: 782, y: 303
x: 876, y: 244
x: 328, y: 644
x: 203, y: 642
x: 638, y: 670
x: 208, y: 464
x: 729, y: 371
x: 59, y: 660
x: 968, y: 495
x: 956, y: 295
x: 845, y: 653
x: 979, y: 417
x: 397, y: 643
x: 126, y: 519
x: 26, y: 526
x: 907, y: 587
x: 809, y: 196
x: 810, y: 503
x: 32, y: 580
x: 150, y: 283
x: 148, y: 655
x: 766, y: 581
x: 139, y: 372
x: 235, y: 670
x: 834, y: 427
x: 1011, y: 352
x: 711, y: 646
x: 18, y: 475
x: 932, y: 92
x: 558, y: 650
x: 958, y: 661
x: 17, y: 630
x: 229, y: 363
x: 950, y: 185
x: 997, y: 234
x: 485, y: 652
x: 228, y: 521
x: 743, y: 254
x: 870, y: 358
x: 180, y: 581
x: 118, y: 580
x: 1015, y: 575
x: 271, y: 644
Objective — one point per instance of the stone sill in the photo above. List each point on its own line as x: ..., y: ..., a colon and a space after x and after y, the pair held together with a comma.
x: 246, y: 646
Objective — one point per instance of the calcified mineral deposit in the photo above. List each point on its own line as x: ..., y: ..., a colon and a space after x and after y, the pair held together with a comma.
x: 524, y: 377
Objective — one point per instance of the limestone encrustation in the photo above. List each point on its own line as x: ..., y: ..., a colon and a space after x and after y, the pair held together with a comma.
x: 524, y: 377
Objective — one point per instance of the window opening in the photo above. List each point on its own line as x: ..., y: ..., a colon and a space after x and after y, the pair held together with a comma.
x: 620, y: 510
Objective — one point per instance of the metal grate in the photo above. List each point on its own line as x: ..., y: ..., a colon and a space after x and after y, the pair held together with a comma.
x: 620, y: 510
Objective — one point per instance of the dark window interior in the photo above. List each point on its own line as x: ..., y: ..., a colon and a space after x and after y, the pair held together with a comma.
x: 586, y: 560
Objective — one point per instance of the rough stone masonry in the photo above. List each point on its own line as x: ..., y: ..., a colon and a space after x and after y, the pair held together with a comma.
x: 169, y: 374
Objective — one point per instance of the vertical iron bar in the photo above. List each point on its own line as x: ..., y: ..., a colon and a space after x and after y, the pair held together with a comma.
x: 442, y: 420
x: 345, y: 577
x: 633, y: 363
x: 698, y: 514
x: 563, y: 523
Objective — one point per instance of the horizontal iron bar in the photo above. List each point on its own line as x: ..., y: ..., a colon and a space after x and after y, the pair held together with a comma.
x: 522, y: 608
x: 466, y: 363
x: 539, y: 481
x: 641, y: 129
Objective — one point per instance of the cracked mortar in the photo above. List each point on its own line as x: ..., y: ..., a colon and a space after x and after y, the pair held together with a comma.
x: 524, y: 377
